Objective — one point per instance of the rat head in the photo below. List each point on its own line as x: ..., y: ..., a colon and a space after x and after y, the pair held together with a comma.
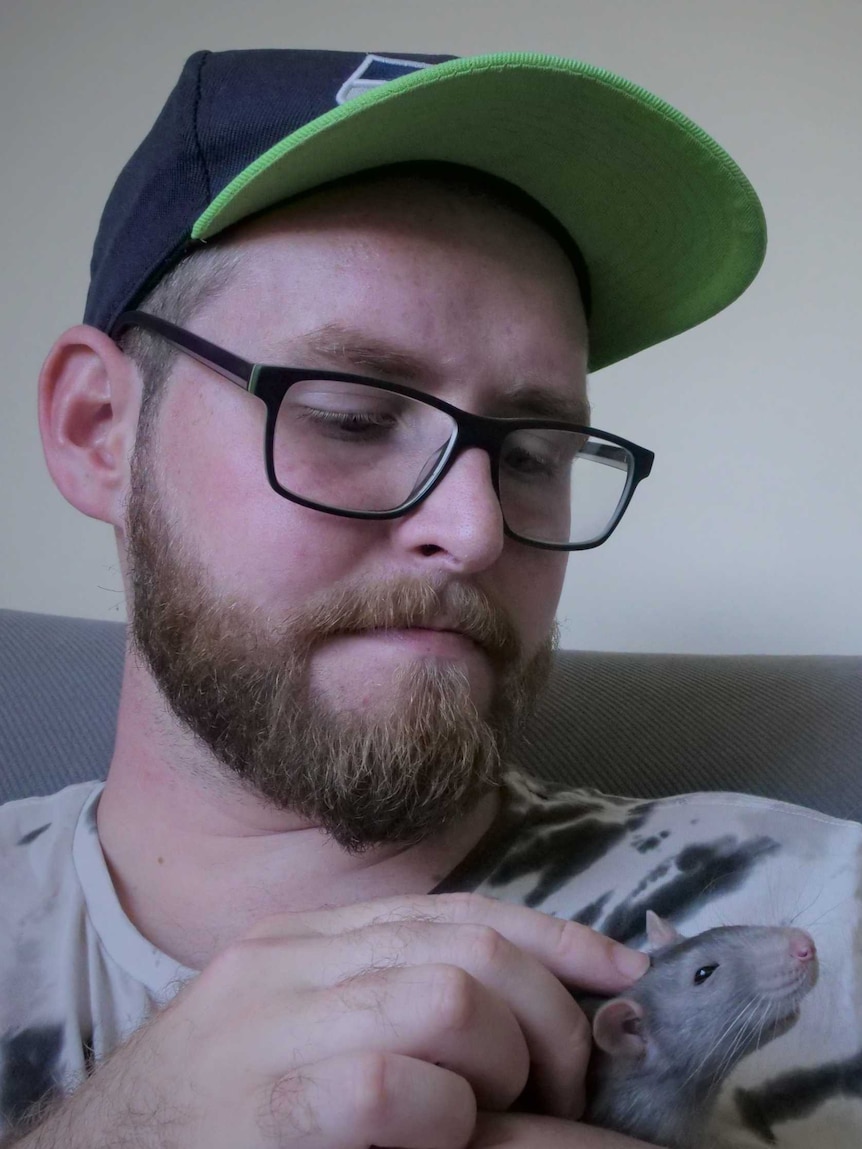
x: 706, y: 1001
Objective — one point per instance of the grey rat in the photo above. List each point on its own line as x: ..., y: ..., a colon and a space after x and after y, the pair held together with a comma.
x: 662, y: 1050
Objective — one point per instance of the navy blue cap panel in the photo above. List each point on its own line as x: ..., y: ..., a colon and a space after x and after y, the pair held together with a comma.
x: 226, y: 110
x: 152, y: 204
x: 239, y: 121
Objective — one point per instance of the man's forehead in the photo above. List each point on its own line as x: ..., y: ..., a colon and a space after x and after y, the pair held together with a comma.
x: 363, y: 226
x: 431, y: 200
x: 524, y: 392
x: 399, y: 294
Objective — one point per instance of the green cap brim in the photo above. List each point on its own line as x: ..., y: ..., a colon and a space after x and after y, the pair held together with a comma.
x: 671, y: 230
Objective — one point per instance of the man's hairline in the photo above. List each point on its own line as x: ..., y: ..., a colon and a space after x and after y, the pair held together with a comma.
x: 232, y: 258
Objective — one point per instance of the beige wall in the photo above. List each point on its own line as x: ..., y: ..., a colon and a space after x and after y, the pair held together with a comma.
x: 747, y: 536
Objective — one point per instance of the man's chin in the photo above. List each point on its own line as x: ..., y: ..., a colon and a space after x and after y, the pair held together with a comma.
x: 371, y: 772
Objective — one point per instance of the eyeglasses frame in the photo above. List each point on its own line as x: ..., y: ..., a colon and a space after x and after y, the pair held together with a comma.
x: 270, y: 383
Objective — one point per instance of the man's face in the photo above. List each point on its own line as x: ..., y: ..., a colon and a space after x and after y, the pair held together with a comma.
x: 324, y: 659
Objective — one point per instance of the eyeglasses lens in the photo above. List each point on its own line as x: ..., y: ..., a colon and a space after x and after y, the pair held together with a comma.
x: 561, y: 486
x: 357, y: 448
x: 351, y: 447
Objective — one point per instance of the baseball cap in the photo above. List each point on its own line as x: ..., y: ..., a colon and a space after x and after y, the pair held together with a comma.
x: 670, y: 229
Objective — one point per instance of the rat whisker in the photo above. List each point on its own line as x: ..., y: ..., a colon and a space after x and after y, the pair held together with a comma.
x: 734, y: 1021
x: 837, y: 906
x: 741, y: 1042
x: 743, y: 1028
x: 795, y: 917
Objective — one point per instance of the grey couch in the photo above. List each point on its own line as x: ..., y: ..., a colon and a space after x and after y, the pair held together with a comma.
x: 641, y: 724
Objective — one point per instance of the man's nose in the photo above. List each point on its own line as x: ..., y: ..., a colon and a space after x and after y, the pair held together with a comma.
x: 460, y: 524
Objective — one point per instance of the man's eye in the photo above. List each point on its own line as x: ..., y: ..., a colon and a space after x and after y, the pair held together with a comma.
x: 528, y: 463
x: 535, y: 459
x: 541, y: 455
x: 343, y: 410
x: 705, y: 971
x: 356, y: 422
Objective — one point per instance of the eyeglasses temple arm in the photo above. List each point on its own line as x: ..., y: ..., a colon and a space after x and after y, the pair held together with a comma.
x: 605, y: 453
x: 225, y: 363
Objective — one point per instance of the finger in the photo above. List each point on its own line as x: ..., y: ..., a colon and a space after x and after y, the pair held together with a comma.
x: 436, y: 1013
x: 526, y: 1131
x: 557, y: 1034
x: 576, y: 954
x: 352, y: 1101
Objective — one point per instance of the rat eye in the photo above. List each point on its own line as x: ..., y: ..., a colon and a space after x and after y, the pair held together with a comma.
x: 704, y: 972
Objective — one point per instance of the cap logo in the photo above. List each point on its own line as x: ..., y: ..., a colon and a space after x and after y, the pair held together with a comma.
x: 374, y: 71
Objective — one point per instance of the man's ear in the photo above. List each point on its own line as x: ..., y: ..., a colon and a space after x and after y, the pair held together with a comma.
x: 89, y: 398
x: 617, y: 1029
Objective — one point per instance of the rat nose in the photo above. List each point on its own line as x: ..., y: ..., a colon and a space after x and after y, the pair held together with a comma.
x: 802, y: 946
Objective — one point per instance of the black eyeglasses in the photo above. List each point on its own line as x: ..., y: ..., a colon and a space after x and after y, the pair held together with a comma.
x: 357, y: 447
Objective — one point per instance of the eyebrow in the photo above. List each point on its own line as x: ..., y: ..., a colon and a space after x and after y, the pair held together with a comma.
x: 355, y: 349
x: 528, y: 400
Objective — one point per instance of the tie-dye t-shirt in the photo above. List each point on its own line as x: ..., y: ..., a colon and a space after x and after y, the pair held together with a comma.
x: 77, y: 977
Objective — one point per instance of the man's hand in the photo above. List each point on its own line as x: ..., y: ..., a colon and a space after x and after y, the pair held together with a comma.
x: 525, y: 1131
x: 387, y: 1023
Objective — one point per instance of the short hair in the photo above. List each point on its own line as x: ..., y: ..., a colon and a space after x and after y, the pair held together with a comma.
x: 199, y: 277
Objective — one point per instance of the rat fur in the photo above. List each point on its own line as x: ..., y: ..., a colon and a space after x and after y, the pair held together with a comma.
x: 663, y: 1049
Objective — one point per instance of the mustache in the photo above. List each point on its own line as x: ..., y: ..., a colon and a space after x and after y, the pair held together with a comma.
x: 404, y: 602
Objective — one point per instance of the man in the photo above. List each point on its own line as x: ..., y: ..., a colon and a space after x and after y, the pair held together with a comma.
x: 331, y: 394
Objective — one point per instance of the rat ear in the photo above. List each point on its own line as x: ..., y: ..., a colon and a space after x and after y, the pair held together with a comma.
x: 660, y: 932
x: 617, y: 1029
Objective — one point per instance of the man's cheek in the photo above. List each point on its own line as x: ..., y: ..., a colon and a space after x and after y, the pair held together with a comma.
x: 534, y: 595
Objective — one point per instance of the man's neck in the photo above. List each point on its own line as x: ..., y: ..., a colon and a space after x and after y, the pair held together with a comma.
x: 196, y: 859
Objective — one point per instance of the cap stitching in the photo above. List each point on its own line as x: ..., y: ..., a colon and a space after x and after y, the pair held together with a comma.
x: 199, y: 147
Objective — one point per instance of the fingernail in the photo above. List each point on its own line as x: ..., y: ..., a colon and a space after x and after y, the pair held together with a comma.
x: 632, y: 963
